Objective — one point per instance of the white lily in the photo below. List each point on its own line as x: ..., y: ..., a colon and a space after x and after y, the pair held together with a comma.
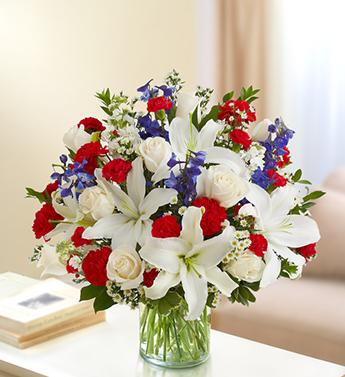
x: 281, y: 230
x: 184, y: 137
x: 133, y: 223
x: 191, y: 260
x: 75, y: 137
x: 49, y: 260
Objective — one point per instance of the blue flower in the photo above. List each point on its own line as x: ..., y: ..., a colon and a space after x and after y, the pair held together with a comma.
x: 260, y: 178
x: 167, y: 90
x: 147, y: 93
x: 151, y: 128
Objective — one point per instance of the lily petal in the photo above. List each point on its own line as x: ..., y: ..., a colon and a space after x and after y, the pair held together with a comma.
x: 219, y: 155
x: 208, y: 134
x: 260, y: 199
x: 195, y: 291
x: 288, y: 254
x: 272, y: 269
x: 105, y: 227
x: 163, y: 282
x: 136, y: 182
x: 165, y: 253
x: 211, y: 252
x: 191, y: 229
x: 299, y: 231
x: 155, y: 199
x: 183, y: 136
x: 221, y: 280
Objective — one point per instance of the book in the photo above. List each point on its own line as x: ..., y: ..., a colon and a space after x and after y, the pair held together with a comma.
x: 40, y: 306
x: 12, y: 283
x: 25, y: 341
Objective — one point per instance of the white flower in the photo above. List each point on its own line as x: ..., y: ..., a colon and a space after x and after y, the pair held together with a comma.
x: 125, y: 267
x: 259, y: 132
x: 75, y: 137
x: 247, y: 266
x: 133, y: 223
x: 156, y: 152
x: 50, y: 261
x: 221, y: 183
x: 184, y: 137
x: 186, y: 104
x: 95, y: 201
x: 281, y: 230
x: 191, y: 260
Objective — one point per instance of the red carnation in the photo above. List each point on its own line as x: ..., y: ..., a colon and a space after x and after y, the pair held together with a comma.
x: 285, y: 158
x: 77, y: 238
x: 90, y: 152
x: 42, y: 224
x: 91, y: 125
x: 166, y: 226
x: 212, y: 219
x: 116, y: 170
x: 95, y: 266
x: 70, y: 269
x: 241, y: 137
x: 307, y: 251
x: 277, y: 180
x: 158, y: 103
x: 149, y: 277
x: 236, y: 112
x: 258, y: 245
x: 50, y: 188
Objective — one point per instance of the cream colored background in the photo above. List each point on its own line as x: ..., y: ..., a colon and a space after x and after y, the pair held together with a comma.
x: 54, y: 55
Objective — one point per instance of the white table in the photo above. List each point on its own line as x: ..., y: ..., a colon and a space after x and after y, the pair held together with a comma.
x: 110, y: 349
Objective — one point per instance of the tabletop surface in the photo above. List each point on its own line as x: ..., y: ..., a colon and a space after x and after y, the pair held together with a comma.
x: 110, y: 349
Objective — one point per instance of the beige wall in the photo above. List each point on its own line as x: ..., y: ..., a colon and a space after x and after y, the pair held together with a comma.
x: 54, y: 55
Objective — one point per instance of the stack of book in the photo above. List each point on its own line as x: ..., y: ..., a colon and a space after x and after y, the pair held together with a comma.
x: 33, y: 311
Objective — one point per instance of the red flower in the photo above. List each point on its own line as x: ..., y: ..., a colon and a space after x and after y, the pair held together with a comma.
x: 240, y: 137
x: 277, y: 180
x: 116, y: 170
x: 77, y: 238
x: 149, y: 277
x: 42, y: 224
x: 90, y: 152
x: 258, y: 245
x: 285, y: 158
x: 70, y: 269
x: 238, y: 110
x: 212, y: 219
x: 158, y: 103
x: 166, y: 226
x: 50, y: 188
x: 95, y: 266
x: 91, y: 125
x: 307, y: 251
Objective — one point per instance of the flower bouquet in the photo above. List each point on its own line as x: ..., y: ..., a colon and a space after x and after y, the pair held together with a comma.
x: 168, y: 203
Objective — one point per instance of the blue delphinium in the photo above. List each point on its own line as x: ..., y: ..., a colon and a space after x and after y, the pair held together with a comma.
x: 147, y: 92
x: 151, y: 128
x: 185, y: 182
x: 81, y: 179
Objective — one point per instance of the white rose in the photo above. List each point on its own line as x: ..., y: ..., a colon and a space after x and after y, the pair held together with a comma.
x: 75, y: 137
x: 156, y: 152
x: 125, y: 267
x: 259, y: 132
x: 94, y: 201
x: 221, y: 183
x: 247, y: 267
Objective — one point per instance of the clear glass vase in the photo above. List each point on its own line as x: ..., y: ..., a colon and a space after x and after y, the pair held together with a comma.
x: 170, y: 340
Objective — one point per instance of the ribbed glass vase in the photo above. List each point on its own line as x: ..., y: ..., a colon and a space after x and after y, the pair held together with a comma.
x: 170, y: 340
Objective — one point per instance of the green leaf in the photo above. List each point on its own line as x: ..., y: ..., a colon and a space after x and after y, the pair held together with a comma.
x: 103, y: 301
x: 297, y: 175
x: 314, y: 195
x: 172, y: 114
x: 195, y: 117
x: 169, y: 302
x: 89, y: 292
x: 213, y: 114
x: 228, y: 96
x: 305, y: 182
x: 210, y: 299
x: 31, y: 193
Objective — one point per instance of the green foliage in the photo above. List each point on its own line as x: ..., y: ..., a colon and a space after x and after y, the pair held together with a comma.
x: 213, y: 114
x: 102, y: 299
x: 297, y: 175
x: 287, y: 269
x: 166, y: 304
x: 307, y: 202
x: 248, y: 94
x: 314, y: 195
x: 242, y: 293
x: 228, y: 96
x: 31, y: 193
